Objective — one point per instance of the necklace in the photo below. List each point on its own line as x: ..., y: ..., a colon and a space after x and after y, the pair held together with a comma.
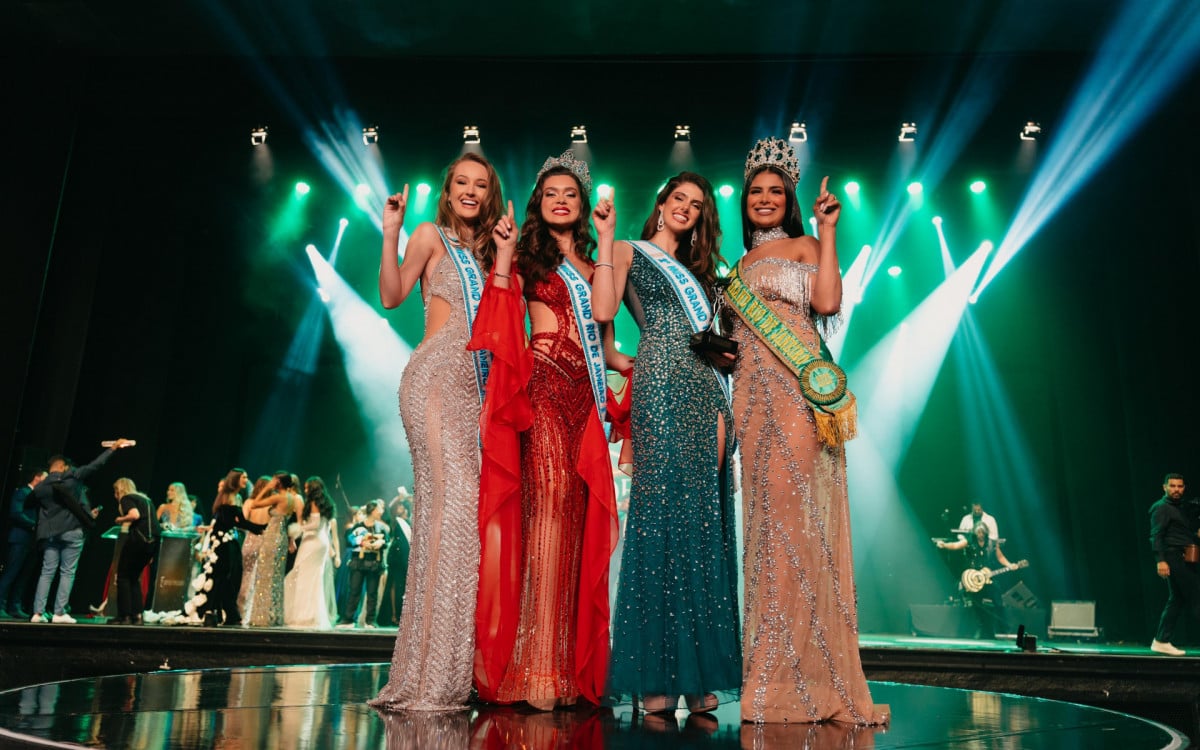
x: 763, y: 236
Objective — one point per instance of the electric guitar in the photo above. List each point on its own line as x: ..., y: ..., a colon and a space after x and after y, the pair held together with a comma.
x: 973, y: 580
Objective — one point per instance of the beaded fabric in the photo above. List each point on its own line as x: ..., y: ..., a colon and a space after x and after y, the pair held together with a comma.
x: 800, y: 638
x: 675, y: 628
x: 264, y: 602
x: 439, y: 403
x: 553, y: 504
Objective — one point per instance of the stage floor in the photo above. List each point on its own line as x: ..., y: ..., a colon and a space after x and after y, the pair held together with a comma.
x: 323, y: 706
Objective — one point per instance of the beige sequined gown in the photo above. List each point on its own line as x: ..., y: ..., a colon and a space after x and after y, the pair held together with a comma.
x: 800, y: 658
x: 439, y: 403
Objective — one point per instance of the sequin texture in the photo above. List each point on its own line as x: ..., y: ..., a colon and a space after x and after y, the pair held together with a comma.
x: 675, y: 627
x: 439, y: 403
x: 264, y: 602
x: 553, y: 502
x: 800, y: 642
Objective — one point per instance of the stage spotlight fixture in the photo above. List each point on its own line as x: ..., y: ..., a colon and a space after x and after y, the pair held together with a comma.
x: 894, y: 271
x: 852, y: 188
x: 908, y: 132
x: 258, y: 136
x: 1031, y: 132
x: 915, y: 188
x: 937, y: 221
x: 343, y: 223
x: 798, y: 133
x: 370, y: 135
x: 726, y: 191
x: 362, y: 191
x: 579, y: 134
x: 302, y: 188
x: 604, y: 190
x: 683, y: 133
x: 423, y: 189
x: 324, y: 295
x: 471, y: 134
x: 978, y: 186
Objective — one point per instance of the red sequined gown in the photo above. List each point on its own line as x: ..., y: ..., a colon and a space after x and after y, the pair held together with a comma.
x: 558, y: 607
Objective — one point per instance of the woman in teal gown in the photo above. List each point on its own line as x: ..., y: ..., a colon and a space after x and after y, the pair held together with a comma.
x: 675, y: 629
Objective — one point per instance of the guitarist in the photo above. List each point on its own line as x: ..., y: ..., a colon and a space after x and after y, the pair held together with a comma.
x: 982, y: 552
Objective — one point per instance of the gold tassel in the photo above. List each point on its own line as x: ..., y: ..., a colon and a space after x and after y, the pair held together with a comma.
x: 836, y: 428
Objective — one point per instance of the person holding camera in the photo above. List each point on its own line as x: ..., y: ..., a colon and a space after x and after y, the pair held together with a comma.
x: 678, y: 569
x: 368, y: 549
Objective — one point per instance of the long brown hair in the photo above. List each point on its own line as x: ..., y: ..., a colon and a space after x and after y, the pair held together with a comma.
x: 490, y: 209
x: 702, y: 256
x: 537, y: 250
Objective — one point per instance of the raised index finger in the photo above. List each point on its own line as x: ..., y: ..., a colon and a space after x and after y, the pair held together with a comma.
x: 510, y: 210
x: 824, y: 184
x: 405, y: 193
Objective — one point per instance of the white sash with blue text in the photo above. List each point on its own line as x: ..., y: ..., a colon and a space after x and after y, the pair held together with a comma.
x: 472, y: 279
x: 691, y: 296
x: 590, y: 334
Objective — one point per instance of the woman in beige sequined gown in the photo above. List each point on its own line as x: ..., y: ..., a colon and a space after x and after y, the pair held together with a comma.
x: 439, y: 403
x: 800, y: 640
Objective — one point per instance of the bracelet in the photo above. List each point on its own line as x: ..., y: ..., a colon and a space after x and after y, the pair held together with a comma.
x: 502, y: 276
x: 603, y: 265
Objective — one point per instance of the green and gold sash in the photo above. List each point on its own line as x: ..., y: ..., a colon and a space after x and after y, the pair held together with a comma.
x: 822, y: 382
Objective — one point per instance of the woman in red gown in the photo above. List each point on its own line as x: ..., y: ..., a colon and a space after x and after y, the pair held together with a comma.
x: 542, y: 623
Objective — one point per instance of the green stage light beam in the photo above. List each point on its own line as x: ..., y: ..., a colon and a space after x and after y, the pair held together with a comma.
x: 893, y: 380
x: 375, y: 357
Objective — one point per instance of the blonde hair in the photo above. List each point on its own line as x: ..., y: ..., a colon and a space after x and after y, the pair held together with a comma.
x: 124, y: 486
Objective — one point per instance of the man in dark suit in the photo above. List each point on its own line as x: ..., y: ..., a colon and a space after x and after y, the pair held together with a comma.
x: 18, y: 565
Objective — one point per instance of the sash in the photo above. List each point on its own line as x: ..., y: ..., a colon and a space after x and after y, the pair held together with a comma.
x: 471, y: 278
x: 590, y: 335
x: 822, y: 383
x: 691, y: 297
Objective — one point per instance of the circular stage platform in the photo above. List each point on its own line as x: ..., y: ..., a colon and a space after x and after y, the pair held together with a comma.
x: 324, y: 707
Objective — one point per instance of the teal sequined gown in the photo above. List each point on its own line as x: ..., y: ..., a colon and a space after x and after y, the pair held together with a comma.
x: 675, y: 628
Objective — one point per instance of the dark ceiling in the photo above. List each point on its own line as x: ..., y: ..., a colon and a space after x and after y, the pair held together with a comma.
x: 536, y: 28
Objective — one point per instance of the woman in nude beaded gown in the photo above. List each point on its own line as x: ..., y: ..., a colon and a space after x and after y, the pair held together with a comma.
x: 800, y: 640
x: 553, y: 646
x: 440, y: 396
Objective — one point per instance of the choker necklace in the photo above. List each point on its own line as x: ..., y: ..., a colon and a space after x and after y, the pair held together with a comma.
x: 762, y: 236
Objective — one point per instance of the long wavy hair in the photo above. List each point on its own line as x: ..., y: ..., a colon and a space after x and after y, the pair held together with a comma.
x: 537, y: 250
x: 229, y: 493
x: 702, y: 257
x: 316, y: 495
x: 490, y: 209
x: 793, y: 223
x: 125, y: 486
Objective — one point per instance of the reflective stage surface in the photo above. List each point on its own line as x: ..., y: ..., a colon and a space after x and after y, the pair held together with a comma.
x: 324, y: 707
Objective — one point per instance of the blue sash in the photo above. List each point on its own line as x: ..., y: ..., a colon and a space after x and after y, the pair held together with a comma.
x: 472, y: 279
x: 590, y: 335
x: 691, y: 297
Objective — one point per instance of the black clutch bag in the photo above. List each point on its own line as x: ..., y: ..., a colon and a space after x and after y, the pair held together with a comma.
x: 707, y: 342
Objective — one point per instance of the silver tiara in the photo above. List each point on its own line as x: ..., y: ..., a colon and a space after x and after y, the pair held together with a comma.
x: 575, y: 166
x: 774, y: 152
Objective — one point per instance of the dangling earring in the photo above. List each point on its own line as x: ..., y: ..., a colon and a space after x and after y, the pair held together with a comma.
x: 694, y: 233
x: 660, y: 221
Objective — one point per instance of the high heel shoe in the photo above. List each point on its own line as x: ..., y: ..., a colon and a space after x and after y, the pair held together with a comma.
x: 657, y: 704
x: 699, y: 704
